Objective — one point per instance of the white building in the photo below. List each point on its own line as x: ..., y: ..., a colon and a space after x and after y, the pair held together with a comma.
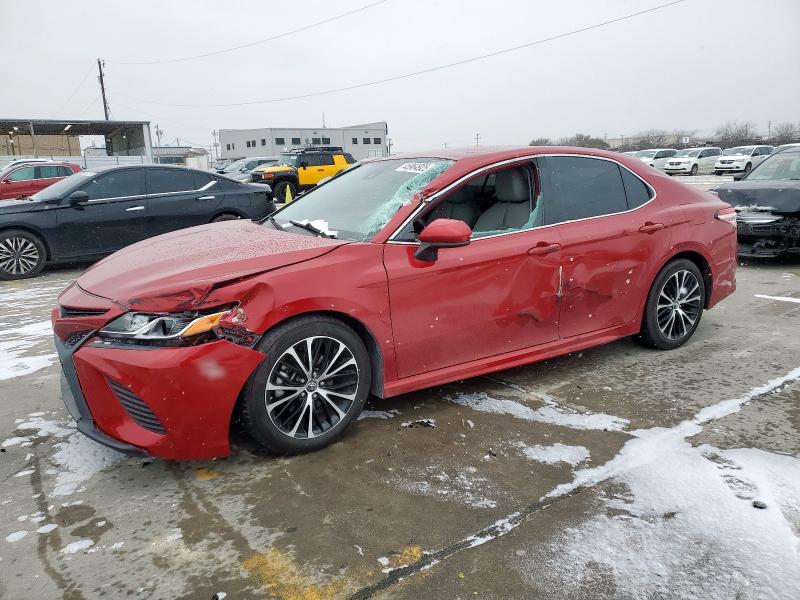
x: 362, y: 141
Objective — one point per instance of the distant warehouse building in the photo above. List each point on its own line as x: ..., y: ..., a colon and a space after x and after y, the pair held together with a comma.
x: 362, y: 141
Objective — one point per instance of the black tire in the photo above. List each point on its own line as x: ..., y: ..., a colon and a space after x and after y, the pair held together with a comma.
x: 693, y: 170
x: 225, y: 217
x: 656, y: 332
x: 717, y: 173
x: 271, y: 428
x: 22, y: 254
x: 748, y: 167
x: 279, y: 191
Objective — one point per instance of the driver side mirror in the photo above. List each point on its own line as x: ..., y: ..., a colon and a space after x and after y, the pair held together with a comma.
x: 77, y: 198
x: 739, y: 176
x: 303, y: 164
x: 441, y: 233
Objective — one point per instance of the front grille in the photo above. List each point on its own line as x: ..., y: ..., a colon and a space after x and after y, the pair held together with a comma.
x: 136, y: 408
x: 75, y: 338
x: 69, y: 312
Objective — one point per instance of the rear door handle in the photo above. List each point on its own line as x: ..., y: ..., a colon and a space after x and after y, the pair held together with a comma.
x: 206, y: 197
x: 651, y: 227
x: 544, y: 248
x: 133, y: 208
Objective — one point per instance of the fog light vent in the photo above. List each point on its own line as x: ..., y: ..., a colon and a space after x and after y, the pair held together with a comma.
x: 136, y: 408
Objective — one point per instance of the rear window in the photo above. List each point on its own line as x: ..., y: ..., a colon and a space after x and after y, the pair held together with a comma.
x: 636, y: 191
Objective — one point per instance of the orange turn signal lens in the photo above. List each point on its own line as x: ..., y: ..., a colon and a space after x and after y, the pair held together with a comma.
x: 203, y: 324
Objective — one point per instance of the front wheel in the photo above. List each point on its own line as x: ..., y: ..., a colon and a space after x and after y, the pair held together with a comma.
x: 693, y: 170
x: 717, y: 173
x: 284, y: 191
x: 311, y: 387
x: 22, y: 255
x: 674, y: 306
x: 748, y: 167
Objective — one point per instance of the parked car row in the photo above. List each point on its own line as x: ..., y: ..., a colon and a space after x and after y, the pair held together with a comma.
x: 241, y: 169
x: 705, y: 159
x: 94, y: 213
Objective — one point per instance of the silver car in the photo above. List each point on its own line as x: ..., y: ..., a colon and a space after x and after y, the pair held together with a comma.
x: 240, y: 170
x: 692, y: 161
x: 741, y: 159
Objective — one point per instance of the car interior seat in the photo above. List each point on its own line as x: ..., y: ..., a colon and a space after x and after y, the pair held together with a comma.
x: 512, y: 210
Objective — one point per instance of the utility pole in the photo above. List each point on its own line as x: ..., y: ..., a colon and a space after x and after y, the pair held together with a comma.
x: 769, y: 130
x: 215, y: 147
x: 477, y: 139
x: 102, y: 87
x: 323, y: 120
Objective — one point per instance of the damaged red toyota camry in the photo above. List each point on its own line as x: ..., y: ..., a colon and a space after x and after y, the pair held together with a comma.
x: 397, y: 274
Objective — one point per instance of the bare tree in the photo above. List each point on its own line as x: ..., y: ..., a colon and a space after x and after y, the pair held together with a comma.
x: 652, y: 138
x: 679, y: 134
x: 786, y: 133
x: 541, y: 141
x: 734, y: 133
x: 584, y: 140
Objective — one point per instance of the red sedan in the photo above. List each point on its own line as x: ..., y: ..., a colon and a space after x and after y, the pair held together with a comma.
x: 25, y: 179
x: 395, y: 275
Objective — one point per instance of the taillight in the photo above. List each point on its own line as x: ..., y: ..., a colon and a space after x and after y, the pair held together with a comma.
x: 726, y: 214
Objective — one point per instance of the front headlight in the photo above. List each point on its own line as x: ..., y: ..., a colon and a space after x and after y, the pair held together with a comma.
x: 171, y: 329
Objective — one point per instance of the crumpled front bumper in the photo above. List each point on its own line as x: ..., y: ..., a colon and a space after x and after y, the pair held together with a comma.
x: 758, y: 238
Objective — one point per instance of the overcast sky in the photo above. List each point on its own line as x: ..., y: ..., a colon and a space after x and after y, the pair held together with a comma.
x: 693, y: 65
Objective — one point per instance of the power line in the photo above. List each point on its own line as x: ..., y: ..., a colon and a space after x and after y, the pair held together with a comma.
x: 75, y: 91
x: 250, y: 44
x: 423, y: 71
x: 95, y: 99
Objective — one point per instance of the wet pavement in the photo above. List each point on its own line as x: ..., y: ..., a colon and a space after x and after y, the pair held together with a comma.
x: 619, y: 472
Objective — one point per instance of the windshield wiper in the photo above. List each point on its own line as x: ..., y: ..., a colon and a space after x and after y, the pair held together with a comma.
x: 312, y: 229
x: 274, y: 223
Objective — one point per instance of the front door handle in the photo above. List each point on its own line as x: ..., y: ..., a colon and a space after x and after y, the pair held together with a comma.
x: 543, y: 248
x: 133, y: 208
x: 651, y: 227
x: 206, y: 197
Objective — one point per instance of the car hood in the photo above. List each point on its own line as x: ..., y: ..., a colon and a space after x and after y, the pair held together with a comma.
x: 782, y: 197
x: 176, y: 271
x: 10, y: 207
x: 733, y: 156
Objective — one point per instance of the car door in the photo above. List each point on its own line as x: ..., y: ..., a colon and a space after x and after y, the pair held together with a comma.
x: 19, y: 182
x: 114, y: 216
x: 311, y: 170
x: 496, y: 295
x: 174, y: 200
x: 706, y: 160
x: 611, y: 234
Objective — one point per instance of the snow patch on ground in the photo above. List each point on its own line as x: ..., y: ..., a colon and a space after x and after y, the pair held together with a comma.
x: 378, y: 414
x: 16, y: 536
x: 686, y: 526
x: 554, y: 415
x: 14, y: 441
x: 46, y: 528
x: 557, y: 453
x: 463, y: 486
x: 77, y: 458
x: 17, y: 349
x: 78, y: 546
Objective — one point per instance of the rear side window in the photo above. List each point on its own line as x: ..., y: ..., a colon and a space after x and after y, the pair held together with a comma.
x: 636, y: 191
x: 582, y: 187
x: 164, y: 181
x: 202, y: 179
x: 117, y: 184
x: 349, y: 158
x: 326, y: 159
x: 49, y: 172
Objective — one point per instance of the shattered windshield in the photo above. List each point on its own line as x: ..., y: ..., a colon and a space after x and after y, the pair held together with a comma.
x: 359, y: 203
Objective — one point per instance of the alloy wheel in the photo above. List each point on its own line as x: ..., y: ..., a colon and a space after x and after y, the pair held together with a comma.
x: 311, y: 387
x: 18, y: 255
x: 679, y: 305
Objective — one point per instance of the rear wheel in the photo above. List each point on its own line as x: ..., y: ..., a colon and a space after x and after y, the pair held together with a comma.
x: 284, y: 191
x: 311, y: 387
x: 22, y: 254
x: 674, y: 306
x: 693, y: 170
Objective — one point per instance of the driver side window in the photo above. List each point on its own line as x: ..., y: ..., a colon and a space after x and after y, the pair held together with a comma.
x: 501, y: 202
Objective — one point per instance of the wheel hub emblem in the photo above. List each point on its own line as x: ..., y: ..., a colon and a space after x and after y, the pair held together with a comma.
x: 312, y: 385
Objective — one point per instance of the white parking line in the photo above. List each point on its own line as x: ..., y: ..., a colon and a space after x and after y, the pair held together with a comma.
x: 781, y: 298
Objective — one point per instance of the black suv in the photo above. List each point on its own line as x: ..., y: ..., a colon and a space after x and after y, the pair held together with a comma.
x: 96, y: 212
